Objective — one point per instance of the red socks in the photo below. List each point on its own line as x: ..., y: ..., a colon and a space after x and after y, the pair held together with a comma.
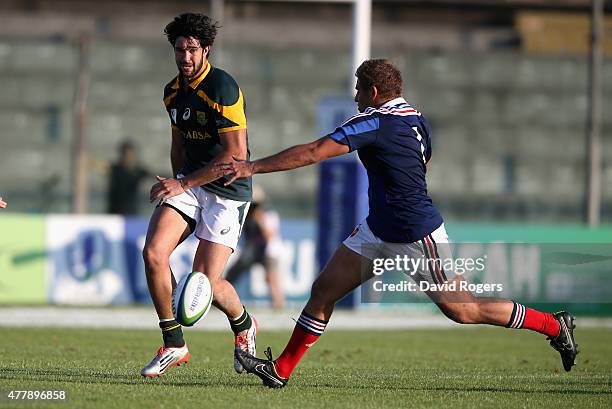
x: 523, y: 317
x: 308, y: 329
x: 306, y: 332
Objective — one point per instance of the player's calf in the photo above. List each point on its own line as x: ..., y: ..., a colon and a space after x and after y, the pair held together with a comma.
x: 320, y: 302
x: 462, y: 313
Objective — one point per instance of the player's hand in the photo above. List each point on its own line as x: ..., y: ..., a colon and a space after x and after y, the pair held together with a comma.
x: 2, y: 203
x: 236, y: 169
x: 165, y: 188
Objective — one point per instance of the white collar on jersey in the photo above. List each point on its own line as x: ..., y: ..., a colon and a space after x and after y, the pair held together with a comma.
x: 393, y: 102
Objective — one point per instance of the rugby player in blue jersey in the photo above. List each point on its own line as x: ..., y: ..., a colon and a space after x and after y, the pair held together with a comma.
x: 393, y: 142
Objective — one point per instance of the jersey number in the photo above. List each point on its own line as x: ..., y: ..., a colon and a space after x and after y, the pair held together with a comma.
x: 420, y: 139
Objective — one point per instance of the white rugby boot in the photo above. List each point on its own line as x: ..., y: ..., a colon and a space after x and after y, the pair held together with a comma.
x: 165, y: 359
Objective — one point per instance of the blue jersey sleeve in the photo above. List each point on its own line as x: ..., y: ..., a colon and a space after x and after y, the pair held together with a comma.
x: 357, y: 132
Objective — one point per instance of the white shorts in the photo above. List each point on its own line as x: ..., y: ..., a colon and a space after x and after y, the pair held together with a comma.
x: 431, y: 248
x: 218, y: 219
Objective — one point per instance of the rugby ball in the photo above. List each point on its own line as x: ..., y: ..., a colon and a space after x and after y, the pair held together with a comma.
x: 191, y: 299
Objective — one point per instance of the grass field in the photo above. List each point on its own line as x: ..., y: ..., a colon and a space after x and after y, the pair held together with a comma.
x: 471, y: 368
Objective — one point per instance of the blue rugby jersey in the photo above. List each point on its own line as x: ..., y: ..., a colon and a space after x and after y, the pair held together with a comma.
x: 394, y: 145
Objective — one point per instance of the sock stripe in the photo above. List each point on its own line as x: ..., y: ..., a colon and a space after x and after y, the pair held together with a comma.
x: 172, y: 333
x: 306, y: 327
x: 522, y: 318
x: 171, y: 328
x: 311, y: 325
x: 242, y: 323
x: 305, y: 314
x: 516, y: 315
x: 519, y: 316
x: 241, y: 319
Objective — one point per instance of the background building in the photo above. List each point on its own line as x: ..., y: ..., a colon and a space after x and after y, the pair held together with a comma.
x: 504, y: 84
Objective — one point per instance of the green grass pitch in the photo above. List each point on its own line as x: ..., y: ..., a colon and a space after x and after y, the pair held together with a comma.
x: 459, y: 368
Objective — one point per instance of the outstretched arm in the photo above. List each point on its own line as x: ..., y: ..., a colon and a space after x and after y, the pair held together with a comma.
x: 291, y: 158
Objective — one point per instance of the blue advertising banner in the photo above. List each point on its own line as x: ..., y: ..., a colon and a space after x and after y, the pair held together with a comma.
x: 135, y: 234
x: 97, y: 260
x: 86, y: 260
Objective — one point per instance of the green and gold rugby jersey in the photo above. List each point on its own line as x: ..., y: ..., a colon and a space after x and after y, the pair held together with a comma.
x: 202, y: 110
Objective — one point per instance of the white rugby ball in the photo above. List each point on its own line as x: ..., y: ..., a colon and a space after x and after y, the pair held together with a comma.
x: 191, y: 299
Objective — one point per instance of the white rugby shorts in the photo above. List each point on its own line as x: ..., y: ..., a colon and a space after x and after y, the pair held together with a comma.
x: 218, y: 219
x: 434, y: 246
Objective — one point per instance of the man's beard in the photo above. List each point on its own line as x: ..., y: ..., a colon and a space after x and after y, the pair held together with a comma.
x: 185, y: 80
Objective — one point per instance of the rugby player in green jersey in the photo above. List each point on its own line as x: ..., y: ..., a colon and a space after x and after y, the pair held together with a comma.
x: 207, y: 115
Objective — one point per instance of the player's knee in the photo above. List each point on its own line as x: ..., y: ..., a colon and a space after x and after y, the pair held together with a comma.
x: 153, y: 259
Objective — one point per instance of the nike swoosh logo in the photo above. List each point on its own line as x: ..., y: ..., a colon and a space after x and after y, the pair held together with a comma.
x: 567, y: 345
x: 258, y: 370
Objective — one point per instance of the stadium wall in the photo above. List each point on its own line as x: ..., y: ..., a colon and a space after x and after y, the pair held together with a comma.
x: 508, y: 128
